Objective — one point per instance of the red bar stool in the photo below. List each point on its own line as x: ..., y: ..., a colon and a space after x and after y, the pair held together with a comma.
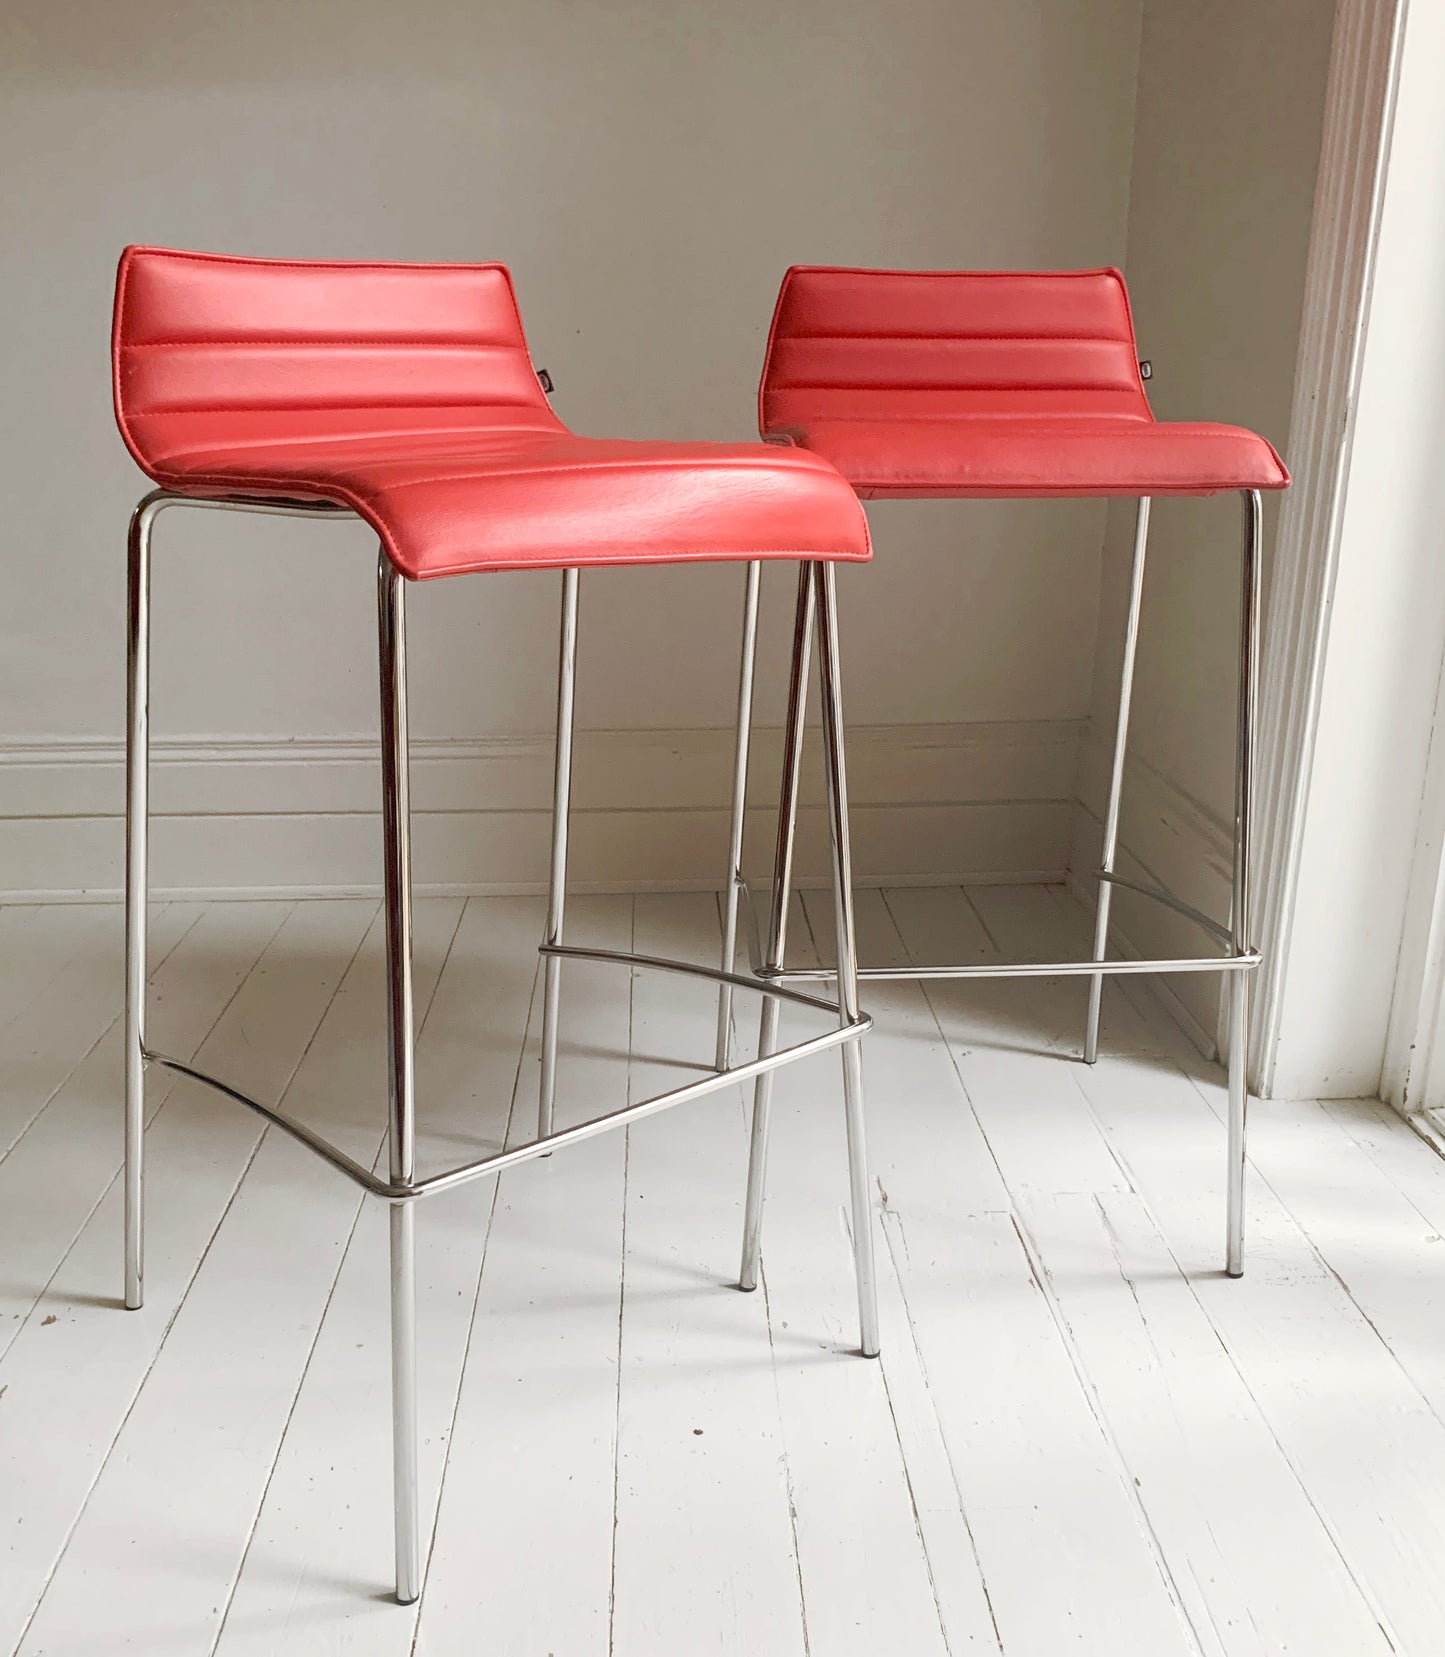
x: 992, y: 385
x: 404, y: 395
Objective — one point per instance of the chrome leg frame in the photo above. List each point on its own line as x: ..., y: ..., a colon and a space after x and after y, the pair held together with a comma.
x: 1116, y: 780
x: 557, y: 875
x: 401, y: 1121
x: 778, y: 922
x: 1239, y: 918
x: 401, y: 1188
x: 825, y: 583
x: 137, y: 772
x: 733, y: 890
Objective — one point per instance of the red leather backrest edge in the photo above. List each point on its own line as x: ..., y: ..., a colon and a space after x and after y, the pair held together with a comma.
x: 138, y: 252
x: 795, y: 271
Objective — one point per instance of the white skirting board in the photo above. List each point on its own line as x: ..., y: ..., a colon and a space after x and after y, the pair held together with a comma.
x: 983, y: 802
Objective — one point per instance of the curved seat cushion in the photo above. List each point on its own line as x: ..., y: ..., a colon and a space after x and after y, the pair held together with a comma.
x: 406, y: 393
x: 984, y: 384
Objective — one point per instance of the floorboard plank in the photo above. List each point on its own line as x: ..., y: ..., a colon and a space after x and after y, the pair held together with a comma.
x: 705, y: 1555
x: 863, y: 1566
x: 933, y: 1239
x: 38, y: 942
x: 189, y: 1463
x: 1022, y: 1090
x: 1384, y: 1250
x: 1080, y: 1437
x: 78, y: 1005
x: 77, y: 1364
x: 1394, y: 1147
x: 1157, y: 1029
x: 1040, y: 1142
x: 1256, y: 1566
x: 1069, y: 1565
x: 1361, y: 1437
x: 522, y: 1563
x: 928, y: 1153
x: 1038, y: 923
x: 68, y: 1158
x: 315, y: 1572
x: 960, y: 1591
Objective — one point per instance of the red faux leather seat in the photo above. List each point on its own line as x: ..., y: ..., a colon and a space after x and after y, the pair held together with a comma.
x: 984, y: 384
x: 406, y: 393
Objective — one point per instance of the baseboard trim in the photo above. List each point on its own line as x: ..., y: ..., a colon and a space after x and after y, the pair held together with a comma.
x: 983, y: 802
x: 530, y: 888
x: 1429, y: 1125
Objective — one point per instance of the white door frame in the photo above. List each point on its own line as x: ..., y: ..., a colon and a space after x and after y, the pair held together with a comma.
x: 1344, y: 241
x: 1414, y: 1070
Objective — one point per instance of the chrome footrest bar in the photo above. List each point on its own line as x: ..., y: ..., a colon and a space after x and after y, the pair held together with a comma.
x: 1245, y: 962
x: 401, y: 1187
x: 1180, y: 907
x: 763, y: 981
x: 1029, y: 969
x: 714, y: 1082
x: 298, y: 1130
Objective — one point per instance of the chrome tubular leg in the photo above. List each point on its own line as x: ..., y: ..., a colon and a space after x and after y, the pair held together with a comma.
x: 740, y: 792
x: 1238, y: 1099
x: 403, y: 1401
x: 837, y: 786
x: 137, y: 773
x: 1116, y: 780
x: 557, y: 874
x: 401, y: 1124
x: 1250, y: 577
x: 778, y: 924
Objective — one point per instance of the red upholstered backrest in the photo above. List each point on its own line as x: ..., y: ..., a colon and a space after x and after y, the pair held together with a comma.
x: 930, y: 345
x: 209, y: 349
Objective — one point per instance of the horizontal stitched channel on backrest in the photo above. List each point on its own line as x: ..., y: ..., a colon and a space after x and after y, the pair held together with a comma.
x: 204, y: 334
x: 933, y: 345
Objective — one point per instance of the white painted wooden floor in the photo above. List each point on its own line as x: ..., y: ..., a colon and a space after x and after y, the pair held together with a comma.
x: 1081, y: 1438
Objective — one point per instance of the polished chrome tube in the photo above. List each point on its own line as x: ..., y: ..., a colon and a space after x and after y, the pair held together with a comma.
x: 394, y: 1191
x: 1251, y: 576
x: 403, y: 1403
x: 396, y: 833
x: 1238, y: 1104
x: 401, y: 1125
x: 778, y: 924
x: 557, y: 871
x: 1249, y: 607
x: 746, y: 665
x: 137, y: 823
x: 279, y: 508
x: 137, y: 836
x: 1116, y: 778
x: 713, y: 1082
x: 1023, y: 969
x: 1178, y: 905
x: 308, y: 1137
x: 693, y: 969
x: 836, y: 780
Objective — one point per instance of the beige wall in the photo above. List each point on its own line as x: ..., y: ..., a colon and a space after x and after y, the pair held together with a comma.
x: 648, y: 170
x: 1226, y: 146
